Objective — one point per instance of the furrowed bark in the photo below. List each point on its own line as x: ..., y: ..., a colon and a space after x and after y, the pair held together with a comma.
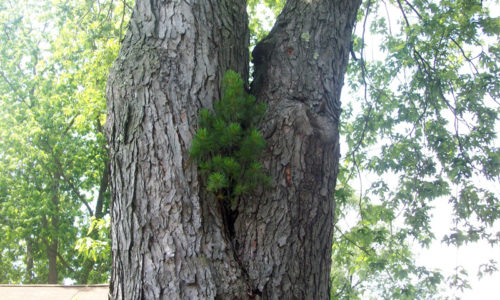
x: 168, y: 240
x: 284, y: 233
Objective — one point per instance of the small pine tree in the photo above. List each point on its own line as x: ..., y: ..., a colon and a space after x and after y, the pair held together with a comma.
x: 227, y: 144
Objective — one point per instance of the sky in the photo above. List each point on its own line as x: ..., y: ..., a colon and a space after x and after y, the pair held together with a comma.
x: 447, y: 258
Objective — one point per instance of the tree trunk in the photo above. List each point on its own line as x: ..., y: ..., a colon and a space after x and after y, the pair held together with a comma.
x: 99, y: 213
x: 29, y: 260
x: 286, y: 232
x: 52, y: 257
x: 168, y: 235
x: 52, y: 227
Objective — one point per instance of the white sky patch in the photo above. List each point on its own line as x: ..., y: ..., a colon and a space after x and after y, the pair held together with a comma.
x: 471, y: 256
x: 266, y: 16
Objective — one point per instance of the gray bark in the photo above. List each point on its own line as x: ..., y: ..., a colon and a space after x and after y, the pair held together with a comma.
x: 169, y: 239
x: 286, y: 232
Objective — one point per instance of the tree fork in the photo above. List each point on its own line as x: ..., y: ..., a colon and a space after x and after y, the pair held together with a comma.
x: 168, y: 236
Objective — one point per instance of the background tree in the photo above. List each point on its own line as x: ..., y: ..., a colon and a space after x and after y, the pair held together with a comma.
x: 427, y: 116
x: 54, y: 61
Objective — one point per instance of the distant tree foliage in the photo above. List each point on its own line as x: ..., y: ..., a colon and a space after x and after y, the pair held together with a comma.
x: 54, y: 61
x: 429, y: 107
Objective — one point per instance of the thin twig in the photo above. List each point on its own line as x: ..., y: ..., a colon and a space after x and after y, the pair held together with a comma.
x: 365, y: 93
x: 366, y: 251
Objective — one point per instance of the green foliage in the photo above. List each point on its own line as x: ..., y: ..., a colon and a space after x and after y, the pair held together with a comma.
x: 227, y: 144
x: 54, y: 58
x: 428, y: 118
x: 99, y: 248
x: 371, y: 258
x: 260, y: 23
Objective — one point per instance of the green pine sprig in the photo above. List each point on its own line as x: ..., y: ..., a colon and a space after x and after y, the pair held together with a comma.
x: 227, y: 144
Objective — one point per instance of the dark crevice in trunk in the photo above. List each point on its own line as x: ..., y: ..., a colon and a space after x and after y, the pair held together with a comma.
x: 228, y: 218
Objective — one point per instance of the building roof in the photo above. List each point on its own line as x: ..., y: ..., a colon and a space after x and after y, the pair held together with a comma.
x: 53, y: 292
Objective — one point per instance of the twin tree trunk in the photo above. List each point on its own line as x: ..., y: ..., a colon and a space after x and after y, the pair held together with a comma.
x: 169, y: 239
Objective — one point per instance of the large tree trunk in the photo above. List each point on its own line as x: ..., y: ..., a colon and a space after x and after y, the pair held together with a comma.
x: 168, y: 235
